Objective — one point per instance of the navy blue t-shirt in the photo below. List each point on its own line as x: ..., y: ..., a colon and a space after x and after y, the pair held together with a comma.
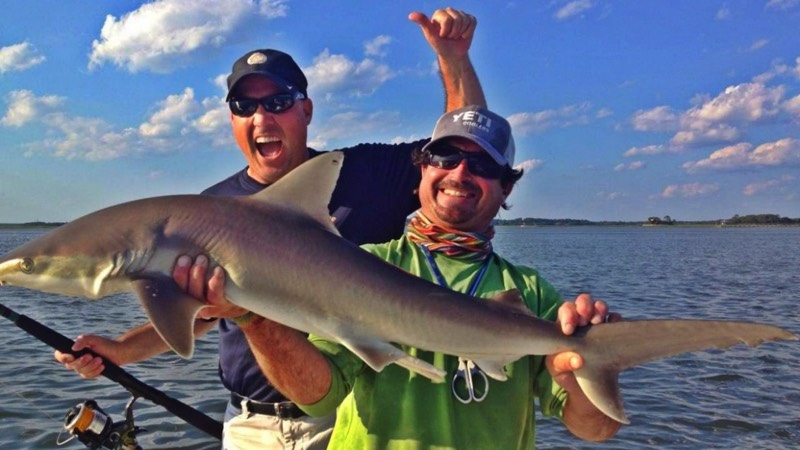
x: 375, y: 193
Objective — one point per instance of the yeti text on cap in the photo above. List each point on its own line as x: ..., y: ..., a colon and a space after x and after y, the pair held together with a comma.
x: 473, y: 119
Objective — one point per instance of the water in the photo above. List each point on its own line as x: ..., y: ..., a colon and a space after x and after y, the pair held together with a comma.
x: 740, y: 398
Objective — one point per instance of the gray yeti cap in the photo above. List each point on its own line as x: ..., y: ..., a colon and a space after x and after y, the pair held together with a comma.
x: 481, y: 126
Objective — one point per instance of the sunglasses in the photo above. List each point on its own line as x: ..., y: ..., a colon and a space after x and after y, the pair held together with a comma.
x: 275, y: 104
x: 448, y: 157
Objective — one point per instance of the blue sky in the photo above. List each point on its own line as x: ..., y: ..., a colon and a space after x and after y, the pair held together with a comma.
x: 621, y: 110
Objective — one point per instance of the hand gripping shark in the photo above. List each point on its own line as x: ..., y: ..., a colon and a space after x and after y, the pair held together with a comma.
x: 285, y: 261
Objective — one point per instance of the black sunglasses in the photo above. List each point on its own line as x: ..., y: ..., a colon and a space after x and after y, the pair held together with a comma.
x: 275, y: 104
x: 448, y: 157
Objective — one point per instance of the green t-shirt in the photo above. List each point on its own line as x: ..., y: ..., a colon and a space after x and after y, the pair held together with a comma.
x: 397, y: 409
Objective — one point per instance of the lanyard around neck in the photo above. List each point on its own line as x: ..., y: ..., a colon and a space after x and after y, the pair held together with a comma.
x: 440, y: 278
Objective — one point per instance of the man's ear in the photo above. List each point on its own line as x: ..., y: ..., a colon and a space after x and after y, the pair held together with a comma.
x: 308, y: 110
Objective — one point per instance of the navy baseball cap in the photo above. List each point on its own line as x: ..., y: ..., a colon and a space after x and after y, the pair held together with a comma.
x: 481, y: 126
x: 273, y: 64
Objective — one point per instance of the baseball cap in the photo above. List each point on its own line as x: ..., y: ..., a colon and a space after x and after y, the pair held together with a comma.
x: 481, y: 126
x: 273, y: 64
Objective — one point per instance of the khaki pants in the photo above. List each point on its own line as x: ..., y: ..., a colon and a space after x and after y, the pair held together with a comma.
x: 270, y: 432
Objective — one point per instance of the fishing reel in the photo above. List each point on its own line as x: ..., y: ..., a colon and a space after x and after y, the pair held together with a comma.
x: 95, y: 428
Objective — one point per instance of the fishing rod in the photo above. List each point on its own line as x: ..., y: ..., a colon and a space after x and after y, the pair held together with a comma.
x: 81, y: 417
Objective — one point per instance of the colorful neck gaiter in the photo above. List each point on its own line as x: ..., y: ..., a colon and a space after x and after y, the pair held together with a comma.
x: 454, y: 243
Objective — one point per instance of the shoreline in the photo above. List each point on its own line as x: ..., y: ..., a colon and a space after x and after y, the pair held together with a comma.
x: 517, y: 223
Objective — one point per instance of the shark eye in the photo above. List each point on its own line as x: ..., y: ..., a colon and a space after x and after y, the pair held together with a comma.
x: 26, y: 265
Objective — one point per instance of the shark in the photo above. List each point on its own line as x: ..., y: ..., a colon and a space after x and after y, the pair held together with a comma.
x: 285, y: 260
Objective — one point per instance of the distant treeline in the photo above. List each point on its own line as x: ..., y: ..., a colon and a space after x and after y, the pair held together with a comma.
x: 530, y: 221
x: 752, y: 219
x: 761, y: 219
x: 7, y: 226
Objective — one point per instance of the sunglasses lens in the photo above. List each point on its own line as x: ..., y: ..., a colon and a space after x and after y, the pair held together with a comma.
x: 479, y: 164
x: 445, y: 158
x: 278, y: 103
x: 246, y: 107
x: 484, y: 168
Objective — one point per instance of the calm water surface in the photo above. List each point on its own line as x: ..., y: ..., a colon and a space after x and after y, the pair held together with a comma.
x: 739, y: 398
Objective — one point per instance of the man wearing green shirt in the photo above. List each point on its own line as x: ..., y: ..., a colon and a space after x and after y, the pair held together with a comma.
x: 466, y: 177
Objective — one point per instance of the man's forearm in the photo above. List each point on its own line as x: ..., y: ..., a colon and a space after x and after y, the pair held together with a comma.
x: 461, y: 84
x: 291, y: 363
x: 143, y: 342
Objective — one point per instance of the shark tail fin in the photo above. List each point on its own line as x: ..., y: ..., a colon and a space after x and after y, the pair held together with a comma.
x: 611, y: 348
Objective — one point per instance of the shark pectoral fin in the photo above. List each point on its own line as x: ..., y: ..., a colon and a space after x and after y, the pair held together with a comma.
x: 379, y: 354
x: 421, y: 367
x: 171, y: 311
x: 601, y: 386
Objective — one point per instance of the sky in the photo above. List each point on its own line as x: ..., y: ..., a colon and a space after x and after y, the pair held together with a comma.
x: 621, y: 110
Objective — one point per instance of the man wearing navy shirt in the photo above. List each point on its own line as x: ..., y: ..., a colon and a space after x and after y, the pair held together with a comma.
x: 270, y: 114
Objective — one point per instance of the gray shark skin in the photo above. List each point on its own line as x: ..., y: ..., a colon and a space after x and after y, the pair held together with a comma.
x: 285, y: 261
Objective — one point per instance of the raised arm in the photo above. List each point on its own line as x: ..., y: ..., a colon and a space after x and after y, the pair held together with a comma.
x: 449, y: 32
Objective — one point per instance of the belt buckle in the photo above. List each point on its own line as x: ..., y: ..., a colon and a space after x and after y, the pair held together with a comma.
x: 282, y: 410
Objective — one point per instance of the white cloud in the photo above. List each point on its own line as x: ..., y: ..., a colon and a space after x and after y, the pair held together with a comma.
x: 689, y: 190
x: 782, y: 5
x: 758, y: 44
x: 779, y: 68
x: 779, y: 153
x: 797, y: 68
x: 636, y: 165
x: 612, y: 195
x: 177, y: 123
x: 699, y: 133
x: 216, y: 115
x: 24, y: 106
x: 646, y: 150
x: 332, y: 74
x: 660, y: 118
x: 353, y: 125
x: 719, y: 119
x: 747, y: 102
x: 273, y: 9
x: 172, y: 115
x: 19, y: 57
x: 792, y: 106
x: 214, y: 122
x: 764, y: 186
x: 723, y: 13
x: 165, y: 34
x: 526, y: 123
x: 85, y: 138
x: 376, y: 47
x: 602, y: 113
x: 409, y: 138
x: 529, y: 165
x: 573, y: 8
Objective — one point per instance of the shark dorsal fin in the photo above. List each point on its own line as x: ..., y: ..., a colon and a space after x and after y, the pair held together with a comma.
x: 308, y: 188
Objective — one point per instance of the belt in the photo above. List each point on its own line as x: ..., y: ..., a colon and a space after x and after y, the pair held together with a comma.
x: 284, y: 410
